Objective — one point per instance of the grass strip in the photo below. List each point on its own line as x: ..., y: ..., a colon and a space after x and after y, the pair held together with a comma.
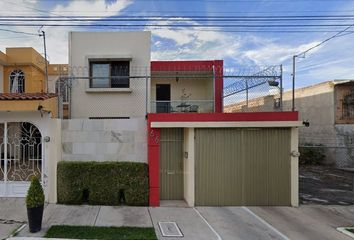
x: 107, y: 233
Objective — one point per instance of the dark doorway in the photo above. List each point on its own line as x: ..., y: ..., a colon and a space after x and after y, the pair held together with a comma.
x: 163, y: 98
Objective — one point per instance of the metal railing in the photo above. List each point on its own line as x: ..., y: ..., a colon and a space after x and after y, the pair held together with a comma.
x: 252, y: 89
x: 257, y: 90
x: 182, y: 106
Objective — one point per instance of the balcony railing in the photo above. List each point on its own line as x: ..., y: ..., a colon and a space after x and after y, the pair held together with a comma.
x: 182, y: 106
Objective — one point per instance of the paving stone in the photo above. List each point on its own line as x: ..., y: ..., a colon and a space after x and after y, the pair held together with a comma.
x: 123, y: 216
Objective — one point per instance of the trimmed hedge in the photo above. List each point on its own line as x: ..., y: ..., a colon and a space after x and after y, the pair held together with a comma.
x: 103, y: 183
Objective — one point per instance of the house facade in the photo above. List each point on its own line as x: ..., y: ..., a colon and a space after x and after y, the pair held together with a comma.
x: 29, y: 128
x: 169, y: 115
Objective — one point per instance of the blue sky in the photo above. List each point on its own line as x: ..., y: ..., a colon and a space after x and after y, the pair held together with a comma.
x: 333, y: 60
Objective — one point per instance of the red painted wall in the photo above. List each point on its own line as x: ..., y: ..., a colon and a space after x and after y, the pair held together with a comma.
x: 223, y: 117
x: 154, y: 165
x: 216, y: 65
x: 154, y: 136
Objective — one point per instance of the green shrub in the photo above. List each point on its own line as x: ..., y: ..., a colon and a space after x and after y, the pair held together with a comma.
x: 311, y: 154
x: 35, y: 194
x: 103, y: 183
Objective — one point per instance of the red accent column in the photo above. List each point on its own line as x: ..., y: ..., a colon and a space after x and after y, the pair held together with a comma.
x: 219, y: 84
x: 154, y: 165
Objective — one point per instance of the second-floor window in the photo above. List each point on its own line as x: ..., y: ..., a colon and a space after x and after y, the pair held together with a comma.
x: 17, y: 81
x: 109, y: 74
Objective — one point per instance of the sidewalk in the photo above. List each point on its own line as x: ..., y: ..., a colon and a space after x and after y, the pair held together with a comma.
x: 55, y: 214
x: 12, y: 209
x: 91, y: 216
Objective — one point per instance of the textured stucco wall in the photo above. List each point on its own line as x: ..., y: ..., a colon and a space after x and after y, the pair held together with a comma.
x: 104, y: 140
x: 344, y: 152
x: 198, y: 88
x: 85, y: 46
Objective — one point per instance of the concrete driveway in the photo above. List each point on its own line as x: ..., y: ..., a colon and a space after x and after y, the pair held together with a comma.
x: 308, y: 221
x: 227, y: 223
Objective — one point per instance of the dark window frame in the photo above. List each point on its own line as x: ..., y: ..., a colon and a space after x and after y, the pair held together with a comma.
x: 277, y: 103
x: 348, y: 107
x: 112, y: 62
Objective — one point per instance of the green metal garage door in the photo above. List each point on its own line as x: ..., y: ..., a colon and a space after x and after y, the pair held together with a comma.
x: 242, y: 167
x: 171, y: 164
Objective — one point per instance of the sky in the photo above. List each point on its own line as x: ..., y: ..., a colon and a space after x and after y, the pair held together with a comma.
x: 239, y: 50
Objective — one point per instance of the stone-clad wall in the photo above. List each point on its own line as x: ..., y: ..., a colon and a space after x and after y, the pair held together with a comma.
x: 104, y: 140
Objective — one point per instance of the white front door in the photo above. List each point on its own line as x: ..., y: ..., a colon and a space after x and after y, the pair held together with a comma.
x: 21, y: 157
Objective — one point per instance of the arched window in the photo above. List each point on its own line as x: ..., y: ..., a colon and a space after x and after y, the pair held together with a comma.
x: 348, y: 106
x: 17, y: 81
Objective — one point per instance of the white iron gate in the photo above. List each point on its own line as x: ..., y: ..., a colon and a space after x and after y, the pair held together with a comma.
x: 21, y: 157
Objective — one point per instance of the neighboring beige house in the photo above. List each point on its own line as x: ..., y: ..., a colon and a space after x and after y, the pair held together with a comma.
x: 327, y: 106
x: 108, y: 98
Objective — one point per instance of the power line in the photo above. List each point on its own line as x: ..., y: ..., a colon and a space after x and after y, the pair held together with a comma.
x: 22, y: 37
x: 171, y: 19
x: 222, y: 1
x: 13, y: 31
x: 306, y: 51
x: 225, y: 30
x: 194, y: 11
x: 174, y: 25
x: 181, y: 17
x: 326, y: 40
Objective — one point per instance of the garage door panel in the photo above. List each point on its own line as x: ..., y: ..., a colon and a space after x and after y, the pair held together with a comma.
x: 215, y: 178
x: 255, y: 188
x: 229, y: 182
x: 242, y: 167
x: 205, y: 175
x: 279, y: 167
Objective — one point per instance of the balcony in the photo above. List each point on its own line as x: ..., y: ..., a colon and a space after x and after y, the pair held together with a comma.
x: 182, y: 106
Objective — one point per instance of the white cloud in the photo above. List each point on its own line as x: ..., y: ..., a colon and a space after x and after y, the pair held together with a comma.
x: 331, y: 73
x: 180, y: 37
x: 273, y: 54
x: 193, y: 43
x: 57, y: 37
x: 90, y: 8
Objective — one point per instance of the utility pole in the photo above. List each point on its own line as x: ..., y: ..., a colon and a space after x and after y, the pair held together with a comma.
x: 281, y: 87
x: 302, y: 55
x: 294, y: 70
x: 46, y: 62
